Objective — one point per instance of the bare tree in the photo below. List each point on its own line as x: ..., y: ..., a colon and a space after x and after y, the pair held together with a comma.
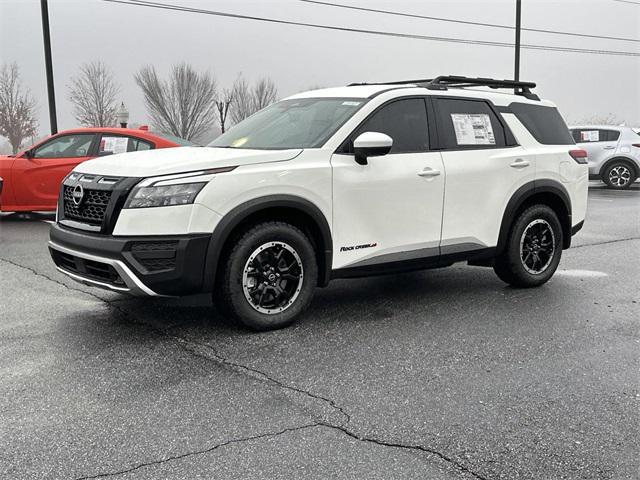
x: 608, y: 119
x: 184, y: 105
x: 264, y: 94
x: 248, y: 100
x: 242, y: 105
x: 93, y: 95
x: 222, y: 104
x: 17, y: 108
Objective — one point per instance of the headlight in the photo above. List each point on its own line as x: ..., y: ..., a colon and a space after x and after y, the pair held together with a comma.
x: 164, y: 196
x: 176, y: 189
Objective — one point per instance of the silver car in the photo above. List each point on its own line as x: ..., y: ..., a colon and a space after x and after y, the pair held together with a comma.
x: 614, y: 153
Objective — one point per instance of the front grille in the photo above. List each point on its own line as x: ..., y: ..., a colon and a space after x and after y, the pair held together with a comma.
x: 155, y: 256
x: 91, y: 210
x: 87, y: 268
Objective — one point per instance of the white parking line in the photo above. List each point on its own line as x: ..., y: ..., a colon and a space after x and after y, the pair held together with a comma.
x: 581, y: 273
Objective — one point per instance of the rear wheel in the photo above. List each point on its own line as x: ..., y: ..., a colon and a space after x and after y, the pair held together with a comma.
x: 269, y: 277
x: 619, y: 175
x: 533, y: 249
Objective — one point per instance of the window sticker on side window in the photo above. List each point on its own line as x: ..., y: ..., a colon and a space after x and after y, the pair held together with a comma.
x: 351, y: 103
x: 590, y: 135
x: 473, y: 129
x: 114, y: 144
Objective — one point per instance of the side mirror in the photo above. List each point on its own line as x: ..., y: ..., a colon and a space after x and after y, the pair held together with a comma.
x: 29, y: 154
x: 371, y: 144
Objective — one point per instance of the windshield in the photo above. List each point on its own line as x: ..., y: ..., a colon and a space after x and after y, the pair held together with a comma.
x: 296, y: 123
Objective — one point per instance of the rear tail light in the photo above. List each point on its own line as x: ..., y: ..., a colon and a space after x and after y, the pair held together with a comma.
x: 579, y: 155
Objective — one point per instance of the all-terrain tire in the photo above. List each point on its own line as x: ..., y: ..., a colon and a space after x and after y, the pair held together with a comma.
x: 257, y: 283
x: 535, y: 234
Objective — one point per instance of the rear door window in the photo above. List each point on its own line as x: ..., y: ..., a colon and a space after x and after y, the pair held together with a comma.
x: 591, y: 135
x: 112, y: 144
x: 544, y: 123
x: 468, y: 124
x: 577, y: 135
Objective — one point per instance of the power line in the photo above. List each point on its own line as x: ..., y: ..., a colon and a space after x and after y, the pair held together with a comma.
x: 166, y: 6
x: 627, y: 1
x: 467, y: 22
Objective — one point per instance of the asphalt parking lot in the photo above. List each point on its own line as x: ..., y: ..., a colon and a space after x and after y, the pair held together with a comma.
x: 443, y: 374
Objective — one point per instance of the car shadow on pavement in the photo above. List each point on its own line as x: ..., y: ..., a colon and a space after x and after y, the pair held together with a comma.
x: 27, y: 216
x: 373, y: 299
x: 635, y: 187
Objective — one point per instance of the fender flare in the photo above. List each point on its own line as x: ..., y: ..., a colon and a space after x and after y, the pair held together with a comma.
x: 525, y: 192
x: 239, y: 213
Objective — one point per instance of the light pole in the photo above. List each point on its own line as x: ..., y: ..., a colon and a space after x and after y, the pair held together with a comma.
x: 122, y: 115
x: 516, y: 74
x: 44, y: 9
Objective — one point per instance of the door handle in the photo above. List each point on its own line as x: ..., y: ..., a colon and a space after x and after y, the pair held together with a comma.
x: 520, y: 163
x: 608, y: 148
x: 429, y: 172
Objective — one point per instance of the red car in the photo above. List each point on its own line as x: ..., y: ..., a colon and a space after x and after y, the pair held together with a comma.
x: 30, y: 180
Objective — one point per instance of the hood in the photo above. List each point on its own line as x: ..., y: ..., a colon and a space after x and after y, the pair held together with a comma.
x: 166, y: 161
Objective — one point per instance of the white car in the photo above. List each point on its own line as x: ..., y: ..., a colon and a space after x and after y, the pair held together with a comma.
x: 334, y: 183
x: 613, y: 152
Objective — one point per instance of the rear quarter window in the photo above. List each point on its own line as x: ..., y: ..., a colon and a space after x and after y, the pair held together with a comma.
x: 610, y: 135
x: 544, y: 123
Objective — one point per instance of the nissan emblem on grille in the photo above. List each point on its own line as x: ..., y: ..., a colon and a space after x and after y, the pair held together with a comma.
x: 78, y: 194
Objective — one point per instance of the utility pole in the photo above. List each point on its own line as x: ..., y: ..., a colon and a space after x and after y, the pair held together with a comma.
x: 49, y: 66
x: 516, y: 74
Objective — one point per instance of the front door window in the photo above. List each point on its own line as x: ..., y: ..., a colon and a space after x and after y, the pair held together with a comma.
x: 65, y: 146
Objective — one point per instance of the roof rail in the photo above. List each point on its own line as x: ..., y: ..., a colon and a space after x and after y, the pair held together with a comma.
x: 443, y: 82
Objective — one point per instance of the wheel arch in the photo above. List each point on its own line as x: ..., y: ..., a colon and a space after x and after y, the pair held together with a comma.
x: 620, y: 158
x: 545, y: 192
x: 295, y: 210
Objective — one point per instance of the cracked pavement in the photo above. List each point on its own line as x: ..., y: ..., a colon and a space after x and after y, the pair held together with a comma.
x: 442, y: 374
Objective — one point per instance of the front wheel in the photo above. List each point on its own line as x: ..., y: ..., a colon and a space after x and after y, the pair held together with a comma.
x: 269, y: 277
x: 619, y: 175
x: 533, y: 249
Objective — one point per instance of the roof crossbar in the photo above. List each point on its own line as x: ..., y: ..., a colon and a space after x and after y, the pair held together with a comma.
x: 445, y: 81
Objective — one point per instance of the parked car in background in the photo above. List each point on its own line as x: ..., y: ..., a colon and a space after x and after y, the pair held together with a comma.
x: 32, y: 178
x: 614, y: 153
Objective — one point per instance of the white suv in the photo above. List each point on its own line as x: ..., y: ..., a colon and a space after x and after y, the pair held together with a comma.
x: 334, y: 183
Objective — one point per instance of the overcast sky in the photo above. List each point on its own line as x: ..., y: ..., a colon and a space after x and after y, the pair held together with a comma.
x: 127, y: 37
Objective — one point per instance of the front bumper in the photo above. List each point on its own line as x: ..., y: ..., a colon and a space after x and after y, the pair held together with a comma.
x: 141, y: 265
